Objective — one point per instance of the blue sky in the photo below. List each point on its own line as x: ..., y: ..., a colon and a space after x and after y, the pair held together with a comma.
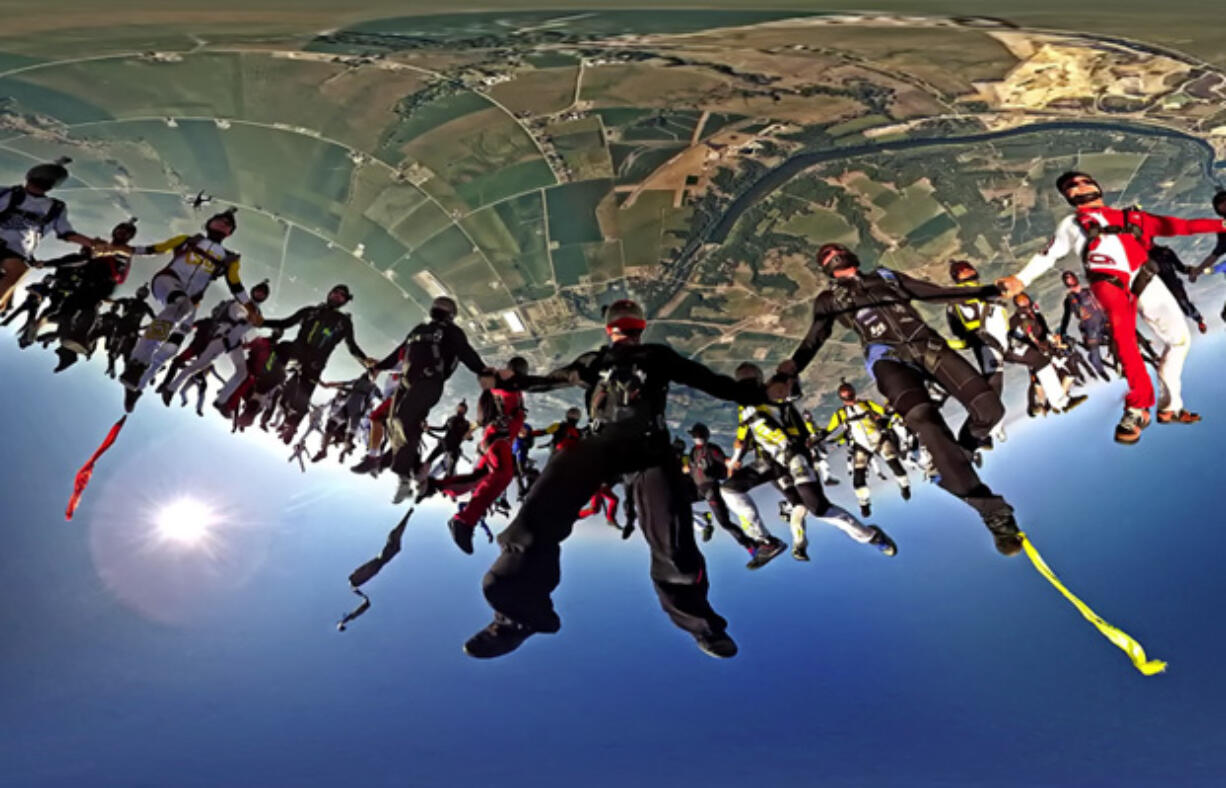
x: 127, y: 663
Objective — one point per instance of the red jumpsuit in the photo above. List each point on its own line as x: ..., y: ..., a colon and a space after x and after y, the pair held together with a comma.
x: 496, y: 467
x: 1113, y: 257
x: 603, y: 499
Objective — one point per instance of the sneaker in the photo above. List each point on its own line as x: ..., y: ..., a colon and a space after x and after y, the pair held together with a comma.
x: 716, y: 644
x: 1004, y: 531
x: 461, y: 534
x: 765, y: 552
x: 883, y: 542
x: 1133, y: 421
x: 369, y: 464
x: 800, y: 553
x: 403, y: 490
x: 320, y: 456
x: 906, y: 492
x: 501, y: 637
x: 866, y: 510
x: 1177, y: 417
x: 1074, y: 402
x: 831, y: 482
x: 708, y: 531
x: 167, y: 396
x: 1200, y: 326
x: 627, y: 531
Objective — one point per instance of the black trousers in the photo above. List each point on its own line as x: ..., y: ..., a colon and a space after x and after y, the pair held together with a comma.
x: 520, y: 582
x: 719, y: 510
x: 904, y: 385
x: 409, y: 412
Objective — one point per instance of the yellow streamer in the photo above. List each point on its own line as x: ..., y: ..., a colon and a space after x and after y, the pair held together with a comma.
x: 1122, y: 639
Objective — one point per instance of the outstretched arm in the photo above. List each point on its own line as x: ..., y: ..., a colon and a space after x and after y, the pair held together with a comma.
x: 1067, y: 239
x: 923, y: 290
x: 690, y: 373
x: 819, y: 331
x: 1167, y: 226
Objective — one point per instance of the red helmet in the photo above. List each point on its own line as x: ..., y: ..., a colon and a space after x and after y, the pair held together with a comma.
x: 626, y: 316
x: 832, y: 257
x: 962, y: 271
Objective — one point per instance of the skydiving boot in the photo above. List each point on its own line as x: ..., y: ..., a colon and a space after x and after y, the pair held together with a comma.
x: 461, y: 534
x: 1128, y: 431
x: 800, y: 553
x: 403, y: 490
x: 716, y: 644
x: 133, y: 371
x: 765, y: 552
x: 1073, y: 402
x: 67, y: 359
x: 1004, y: 531
x: 1180, y: 416
x: 501, y: 637
x: 130, y: 396
x: 882, y: 541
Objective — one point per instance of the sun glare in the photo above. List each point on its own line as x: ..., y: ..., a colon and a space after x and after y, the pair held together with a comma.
x: 185, y: 521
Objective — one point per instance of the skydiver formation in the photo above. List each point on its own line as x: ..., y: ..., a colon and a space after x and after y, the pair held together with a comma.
x: 625, y: 442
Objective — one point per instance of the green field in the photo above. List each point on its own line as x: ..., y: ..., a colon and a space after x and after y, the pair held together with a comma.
x: 572, y: 211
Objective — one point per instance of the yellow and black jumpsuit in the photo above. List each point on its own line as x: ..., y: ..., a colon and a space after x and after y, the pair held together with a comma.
x: 776, y: 434
x: 863, y: 427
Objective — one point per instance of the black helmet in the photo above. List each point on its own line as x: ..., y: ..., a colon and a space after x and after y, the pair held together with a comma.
x: 226, y: 216
x: 833, y: 257
x: 748, y: 371
x: 626, y: 316
x: 124, y: 232
x: 573, y: 414
x: 962, y: 271
x: 443, y: 309
x: 518, y: 365
x: 48, y: 175
x: 1219, y: 202
x: 260, y: 292
x: 462, y: 407
x: 846, y: 391
x: 142, y: 292
x: 1068, y: 179
x: 343, y: 291
x: 700, y: 431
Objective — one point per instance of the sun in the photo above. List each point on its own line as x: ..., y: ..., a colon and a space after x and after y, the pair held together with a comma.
x: 185, y: 521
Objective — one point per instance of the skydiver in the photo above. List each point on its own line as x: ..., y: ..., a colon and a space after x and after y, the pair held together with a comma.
x: 451, y: 436
x: 708, y: 466
x: 779, y: 439
x: 1031, y: 345
x: 227, y: 331
x: 980, y: 325
x: 321, y: 328
x: 26, y: 215
x: 627, y: 388
x: 127, y: 328
x: 196, y: 260
x: 902, y: 352
x: 563, y: 433
x: 1091, y: 321
x: 426, y: 359
x: 864, y: 426
x: 1114, y: 246
x: 501, y: 415
x: 1170, y: 268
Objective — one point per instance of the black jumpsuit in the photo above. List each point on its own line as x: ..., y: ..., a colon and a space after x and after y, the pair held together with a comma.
x: 323, y: 327
x: 454, y: 431
x: 627, y: 391
x: 902, y: 353
x: 429, y: 354
x: 708, y: 469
